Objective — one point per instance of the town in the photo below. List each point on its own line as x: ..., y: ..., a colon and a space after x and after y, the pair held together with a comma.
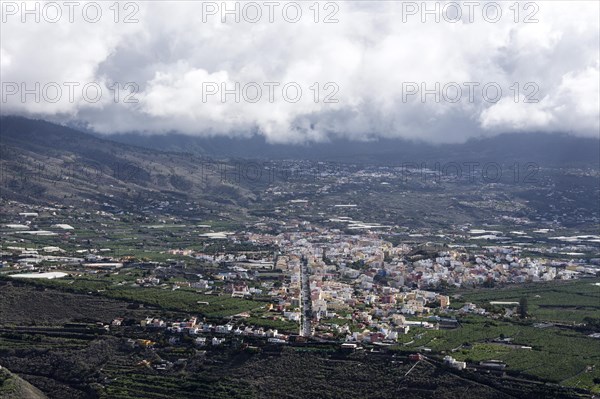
x: 321, y: 283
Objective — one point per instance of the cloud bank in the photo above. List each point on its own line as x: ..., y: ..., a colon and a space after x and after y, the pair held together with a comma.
x: 296, y: 72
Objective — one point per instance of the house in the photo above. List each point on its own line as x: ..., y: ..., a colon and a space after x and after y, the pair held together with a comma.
x: 415, y: 357
x: 398, y: 319
x: 444, y: 301
x: 225, y: 329
x: 451, y: 362
x: 403, y: 329
x: 350, y: 346
x: 239, y: 291
x: 150, y: 322
x: 200, y: 285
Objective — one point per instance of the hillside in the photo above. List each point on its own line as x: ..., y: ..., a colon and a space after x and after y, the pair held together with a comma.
x: 45, y: 163
x: 14, y: 387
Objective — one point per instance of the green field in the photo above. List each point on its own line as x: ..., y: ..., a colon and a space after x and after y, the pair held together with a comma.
x: 183, y: 299
x: 186, y: 300
x: 557, y: 301
x: 562, y: 353
x: 557, y: 355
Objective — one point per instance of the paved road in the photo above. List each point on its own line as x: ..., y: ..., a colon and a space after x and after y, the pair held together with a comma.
x: 305, y: 301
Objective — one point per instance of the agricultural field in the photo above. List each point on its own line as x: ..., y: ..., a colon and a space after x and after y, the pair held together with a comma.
x: 561, y: 317
x: 557, y: 355
x: 181, y: 300
x: 187, y: 300
x: 554, y: 301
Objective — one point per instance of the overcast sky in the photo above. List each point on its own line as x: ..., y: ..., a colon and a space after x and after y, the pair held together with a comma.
x: 371, y: 63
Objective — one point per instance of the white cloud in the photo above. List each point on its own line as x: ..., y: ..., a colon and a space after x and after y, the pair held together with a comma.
x: 573, y: 107
x: 369, y: 55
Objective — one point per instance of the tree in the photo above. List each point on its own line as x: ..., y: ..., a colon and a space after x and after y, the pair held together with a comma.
x: 489, y: 282
x: 523, y: 307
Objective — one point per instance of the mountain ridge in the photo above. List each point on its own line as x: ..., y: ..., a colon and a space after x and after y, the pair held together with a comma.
x: 546, y: 149
x: 550, y: 149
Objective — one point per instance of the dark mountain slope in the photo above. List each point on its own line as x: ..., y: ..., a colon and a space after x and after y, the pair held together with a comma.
x: 556, y: 150
x: 46, y: 163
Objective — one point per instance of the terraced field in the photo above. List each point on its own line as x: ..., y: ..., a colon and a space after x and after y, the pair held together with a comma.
x: 555, y: 301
